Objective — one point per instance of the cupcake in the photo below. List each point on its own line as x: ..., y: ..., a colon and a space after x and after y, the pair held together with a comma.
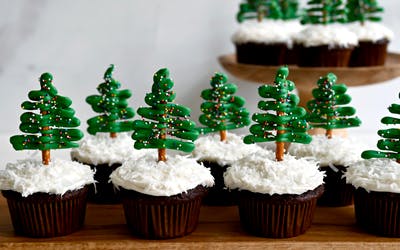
x: 107, y: 147
x: 327, y: 111
x: 46, y: 198
x: 277, y: 196
x: 222, y: 111
x: 268, y: 40
x: 377, y: 183
x: 324, y: 42
x: 162, y: 195
x: 373, y: 38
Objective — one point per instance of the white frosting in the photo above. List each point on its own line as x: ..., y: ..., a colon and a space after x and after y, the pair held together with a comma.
x: 333, y: 35
x: 145, y: 175
x: 31, y: 176
x: 371, y: 31
x: 210, y: 148
x: 267, y: 32
x: 380, y: 175
x: 260, y: 173
x: 337, y: 150
x: 102, y: 149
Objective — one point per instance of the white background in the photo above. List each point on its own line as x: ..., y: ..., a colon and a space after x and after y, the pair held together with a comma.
x: 77, y: 40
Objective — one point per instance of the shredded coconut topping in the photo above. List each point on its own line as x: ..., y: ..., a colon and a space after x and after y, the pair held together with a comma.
x: 102, y: 149
x: 380, y: 175
x: 333, y: 35
x: 337, y: 150
x: 210, y: 148
x: 260, y: 173
x: 371, y: 31
x: 31, y: 176
x: 145, y: 175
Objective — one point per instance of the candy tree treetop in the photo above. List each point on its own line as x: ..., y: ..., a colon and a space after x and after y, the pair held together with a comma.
x: 390, y: 144
x: 324, y: 12
x: 289, y: 9
x: 112, y: 104
x: 259, y: 9
x: 326, y: 109
x: 363, y: 10
x: 283, y: 120
x: 222, y: 110
x: 166, y: 124
x: 50, y: 128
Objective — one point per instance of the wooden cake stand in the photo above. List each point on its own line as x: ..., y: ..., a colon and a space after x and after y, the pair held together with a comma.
x: 305, y: 78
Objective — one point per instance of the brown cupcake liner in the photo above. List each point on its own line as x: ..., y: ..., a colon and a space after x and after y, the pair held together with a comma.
x: 162, y: 217
x: 378, y: 212
x: 103, y: 192
x: 260, y: 53
x: 337, y: 192
x: 323, y: 56
x: 369, y: 54
x: 277, y: 216
x: 219, y: 195
x: 47, y: 215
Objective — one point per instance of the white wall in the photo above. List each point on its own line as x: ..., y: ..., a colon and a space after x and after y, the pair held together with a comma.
x: 77, y: 40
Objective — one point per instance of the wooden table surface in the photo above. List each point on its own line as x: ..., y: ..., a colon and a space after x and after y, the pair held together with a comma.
x: 218, y: 228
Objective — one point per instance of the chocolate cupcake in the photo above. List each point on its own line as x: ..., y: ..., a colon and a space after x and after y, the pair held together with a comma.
x: 277, y: 199
x: 218, y: 156
x: 104, y: 154
x: 334, y: 156
x: 373, y: 39
x: 162, y: 200
x: 46, y: 201
x: 266, y: 43
x: 325, y: 46
x: 377, y: 195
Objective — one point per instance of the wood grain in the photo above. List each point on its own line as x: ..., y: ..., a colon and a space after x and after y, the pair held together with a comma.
x: 218, y: 228
x: 305, y: 78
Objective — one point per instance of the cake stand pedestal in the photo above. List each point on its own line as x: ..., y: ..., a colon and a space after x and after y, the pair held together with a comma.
x: 305, y: 78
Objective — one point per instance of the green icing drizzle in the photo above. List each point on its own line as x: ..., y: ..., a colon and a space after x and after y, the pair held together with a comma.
x: 222, y: 110
x: 283, y: 120
x: 363, y: 10
x: 50, y: 128
x: 324, y: 12
x: 259, y: 9
x: 391, y: 142
x: 164, y: 119
x: 326, y: 109
x: 289, y: 9
x: 112, y: 104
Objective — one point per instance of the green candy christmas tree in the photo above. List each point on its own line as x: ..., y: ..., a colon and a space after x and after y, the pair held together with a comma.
x: 50, y: 128
x: 324, y: 12
x: 222, y: 109
x: 326, y: 109
x: 289, y: 9
x: 260, y: 9
x: 112, y: 105
x: 283, y: 120
x: 167, y: 120
x: 391, y: 142
x: 363, y: 10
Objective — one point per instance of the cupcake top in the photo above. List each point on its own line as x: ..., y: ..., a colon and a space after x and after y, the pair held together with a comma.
x: 31, y: 176
x: 371, y: 31
x: 145, y: 175
x: 267, y: 32
x: 380, y: 175
x: 210, y: 148
x: 337, y: 150
x: 260, y: 173
x: 102, y: 149
x: 333, y: 35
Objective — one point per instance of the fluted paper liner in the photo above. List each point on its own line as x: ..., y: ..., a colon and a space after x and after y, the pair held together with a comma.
x: 47, y: 215
x: 378, y: 212
x: 277, y: 216
x: 162, y: 217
